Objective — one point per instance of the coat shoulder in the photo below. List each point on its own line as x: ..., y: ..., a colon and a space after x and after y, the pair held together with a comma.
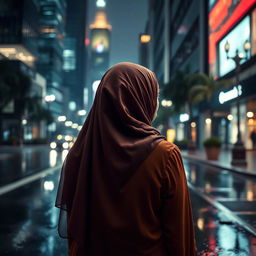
x: 165, y: 147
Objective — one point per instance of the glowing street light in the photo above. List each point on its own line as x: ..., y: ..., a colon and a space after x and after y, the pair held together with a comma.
x: 193, y: 124
x: 81, y: 112
x: 50, y: 98
x: 208, y: 120
x: 62, y: 118
x: 53, y: 145
x: 24, y: 121
x: 166, y: 103
x: 230, y: 117
x: 184, y: 117
x: 250, y: 114
x: 68, y: 123
x: 48, y: 185
x: 74, y: 126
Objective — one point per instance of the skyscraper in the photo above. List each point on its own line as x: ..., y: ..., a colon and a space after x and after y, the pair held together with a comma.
x: 99, y: 49
x: 51, y: 46
x: 74, y: 54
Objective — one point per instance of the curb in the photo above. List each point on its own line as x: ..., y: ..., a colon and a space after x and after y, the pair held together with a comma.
x: 216, y: 164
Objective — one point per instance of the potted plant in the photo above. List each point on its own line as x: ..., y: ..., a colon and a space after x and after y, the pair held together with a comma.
x: 182, y: 144
x: 212, y: 147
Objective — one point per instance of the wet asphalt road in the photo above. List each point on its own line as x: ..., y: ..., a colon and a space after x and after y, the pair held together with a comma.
x: 28, y: 218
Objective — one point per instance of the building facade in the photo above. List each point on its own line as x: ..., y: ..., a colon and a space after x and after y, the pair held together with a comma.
x: 19, y: 49
x: 51, y: 46
x: 159, y: 47
x: 192, y: 36
x: 179, y: 36
x: 74, y: 54
x: 231, y: 31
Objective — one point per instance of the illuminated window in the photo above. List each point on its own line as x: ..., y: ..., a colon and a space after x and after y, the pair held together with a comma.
x: 69, y: 54
x: 145, y: 38
x: 48, y: 30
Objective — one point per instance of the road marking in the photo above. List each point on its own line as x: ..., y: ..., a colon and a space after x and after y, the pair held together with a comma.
x: 14, y: 185
x: 230, y: 215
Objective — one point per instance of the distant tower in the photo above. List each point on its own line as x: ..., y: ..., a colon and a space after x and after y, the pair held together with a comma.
x: 99, y: 49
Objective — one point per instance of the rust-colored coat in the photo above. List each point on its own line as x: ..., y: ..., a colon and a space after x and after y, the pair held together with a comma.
x: 150, y: 216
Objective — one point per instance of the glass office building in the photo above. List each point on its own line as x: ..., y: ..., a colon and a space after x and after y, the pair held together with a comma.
x: 51, y: 46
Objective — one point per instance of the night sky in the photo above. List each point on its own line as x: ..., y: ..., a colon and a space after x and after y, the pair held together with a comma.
x: 128, y: 19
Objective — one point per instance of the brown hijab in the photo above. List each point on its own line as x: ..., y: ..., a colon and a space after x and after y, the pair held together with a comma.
x: 116, y: 138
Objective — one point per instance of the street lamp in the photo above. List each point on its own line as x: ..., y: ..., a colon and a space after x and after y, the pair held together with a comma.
x: 62, y: 118
x: 238, y: 151
x: 166, y: 103
x: 81, y: 112
x: 50, y: 98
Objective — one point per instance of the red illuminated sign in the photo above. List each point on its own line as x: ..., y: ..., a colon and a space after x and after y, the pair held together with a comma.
x: 224, y: 16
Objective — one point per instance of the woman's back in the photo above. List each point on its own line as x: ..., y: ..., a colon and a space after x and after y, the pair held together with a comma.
x: 136, y: 220
x: 123, y: 188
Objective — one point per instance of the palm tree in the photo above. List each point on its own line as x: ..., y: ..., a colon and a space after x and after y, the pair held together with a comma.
x: 178, y: 91
x: 36, y: 111
x: 14, y: 86
x: 204, y: 88
x: 8, y: 83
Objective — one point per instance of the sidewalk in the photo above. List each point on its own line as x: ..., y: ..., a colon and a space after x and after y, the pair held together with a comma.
x: 224, y: 161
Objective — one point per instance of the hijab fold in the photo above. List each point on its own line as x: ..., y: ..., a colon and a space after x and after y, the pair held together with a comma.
x: 116, y: 138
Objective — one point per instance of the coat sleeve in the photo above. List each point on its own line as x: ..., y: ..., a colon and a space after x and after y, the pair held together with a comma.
x: 176, y: 213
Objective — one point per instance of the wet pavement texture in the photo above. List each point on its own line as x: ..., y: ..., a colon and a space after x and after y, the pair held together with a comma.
x: 224, y: 161
x: 19, y: 162
x: 235, y: 192
x: 28, y: 218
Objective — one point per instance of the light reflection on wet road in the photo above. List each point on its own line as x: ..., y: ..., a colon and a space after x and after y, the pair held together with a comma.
x: 18, y: 163
x: 28, y: 218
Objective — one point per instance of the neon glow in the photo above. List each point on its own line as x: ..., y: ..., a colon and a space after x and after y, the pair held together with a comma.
x: 224, y: 16
x: 237, y: 38
x: 87, y: 41
x: 230, y: 95
x: 184, y: 117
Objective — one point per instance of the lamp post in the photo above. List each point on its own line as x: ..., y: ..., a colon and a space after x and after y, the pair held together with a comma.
x: 238, y: 151
x: 49, y: 99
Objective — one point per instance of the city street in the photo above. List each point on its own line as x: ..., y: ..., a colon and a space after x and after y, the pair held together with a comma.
x: 115, y: 77
x: 224, y: 206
